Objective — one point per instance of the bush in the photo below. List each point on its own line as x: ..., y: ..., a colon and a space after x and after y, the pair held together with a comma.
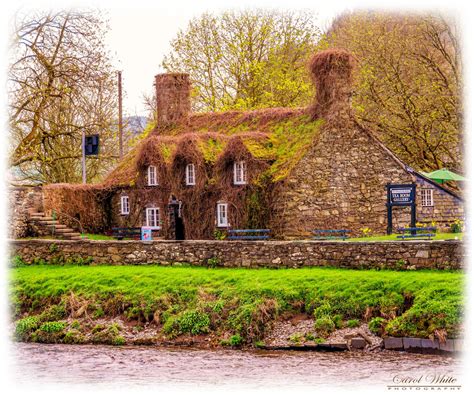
x: 52, y: 327
x: 338, y: 322
x: 324, y: 326
x: 55, y: 312
x: 25, y: 327
x: 352, y: 323
x: 377, y: 325
x: 118, y: 341
x: 324, y: 310
x: 235, y: 340
x: 193, y: 322
x: 73, y: 337
x: 456, y: 226
x: 17, y: 261
x: 213, y: 262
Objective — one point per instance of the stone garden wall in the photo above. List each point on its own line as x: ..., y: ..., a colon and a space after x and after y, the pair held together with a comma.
x: 395, y: 255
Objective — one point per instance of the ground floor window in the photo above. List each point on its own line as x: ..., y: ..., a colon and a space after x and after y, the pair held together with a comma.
x: 153, y: 217
x: 427, y: 198
x: 222, y: 217
x: 124, y: 205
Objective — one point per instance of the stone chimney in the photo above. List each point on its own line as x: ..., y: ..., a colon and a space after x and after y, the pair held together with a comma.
x: 173, y: 103
x: 332, y: 74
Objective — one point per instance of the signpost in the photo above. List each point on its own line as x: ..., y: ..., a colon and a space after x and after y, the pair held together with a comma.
x: 401, y: 195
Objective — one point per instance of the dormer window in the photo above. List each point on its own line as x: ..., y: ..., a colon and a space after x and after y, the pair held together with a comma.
x: 152, y: 179
x: 190, y: 174
x: 240, y: 173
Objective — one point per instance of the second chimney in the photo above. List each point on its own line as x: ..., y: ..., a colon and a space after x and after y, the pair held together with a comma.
x: 173, y: 103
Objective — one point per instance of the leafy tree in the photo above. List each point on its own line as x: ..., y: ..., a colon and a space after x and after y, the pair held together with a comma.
x: 60, y: 84
x: 246, y: 59
x: 409, y: 82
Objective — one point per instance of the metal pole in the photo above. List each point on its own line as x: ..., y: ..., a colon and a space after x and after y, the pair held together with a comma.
x: 120, y: 114
x: 84, y: 176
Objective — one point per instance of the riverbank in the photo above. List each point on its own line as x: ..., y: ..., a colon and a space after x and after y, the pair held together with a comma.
x: 229, y: 307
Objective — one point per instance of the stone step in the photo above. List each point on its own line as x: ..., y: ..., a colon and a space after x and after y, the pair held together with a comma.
x: 69, y: 232
x: 65, y: 229
x: 59, y: 226
x: 47, y: 219
x: 36, y: 214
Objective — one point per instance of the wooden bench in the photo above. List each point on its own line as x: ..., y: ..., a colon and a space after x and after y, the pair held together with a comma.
x: 248, y: 234
x: 417, y: 233
x: 130, y: 233
x: 330, y: 234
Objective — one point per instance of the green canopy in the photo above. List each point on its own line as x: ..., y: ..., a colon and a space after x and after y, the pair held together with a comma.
x: 443, y: 175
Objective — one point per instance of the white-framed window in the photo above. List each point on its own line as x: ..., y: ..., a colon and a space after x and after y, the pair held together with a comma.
x: 152, y: 179
x: 190, y: 174
x: 240, y: 173
x: 427, y: 198
x: 153, y: 217
x: 222, y: 215
x: 124, y: 205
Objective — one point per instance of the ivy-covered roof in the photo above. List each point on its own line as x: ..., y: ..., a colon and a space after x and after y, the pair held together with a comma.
x: 280, y: 136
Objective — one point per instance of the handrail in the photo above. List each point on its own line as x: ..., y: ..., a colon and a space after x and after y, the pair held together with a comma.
x: 74, y: 219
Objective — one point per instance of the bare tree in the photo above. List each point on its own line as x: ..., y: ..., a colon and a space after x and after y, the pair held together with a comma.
x: 60, y: 84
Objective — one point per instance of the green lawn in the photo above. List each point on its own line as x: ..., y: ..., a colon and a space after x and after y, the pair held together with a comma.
x: 242, y: 301
x: 92, y: 236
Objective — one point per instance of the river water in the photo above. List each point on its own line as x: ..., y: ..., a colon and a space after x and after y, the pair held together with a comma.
x: 116, y: 367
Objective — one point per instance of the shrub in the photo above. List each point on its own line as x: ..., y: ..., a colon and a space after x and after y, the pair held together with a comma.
x: 376, y: 325
x: 324, y: 326
x: 338, y: 322
x: 456, y: 226
x: 324, y: 310
x: 213, y: 262
x: 76, y: 325
x: 219, y: 234
x: 25, y: 327
x: 55, y: 312
x: 118, y: 341
x: 352, y: 323
x: 17, y: 261
x: 296, y: 338
x: 52, y: 327
x: 235, y: 340
x: 98, y: 313
x: 193, y: 322
x: 73, y: 337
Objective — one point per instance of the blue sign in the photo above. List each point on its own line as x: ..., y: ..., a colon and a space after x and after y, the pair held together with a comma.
x: 402, y: 195
x: 146, y: 233
x: 91, y: 146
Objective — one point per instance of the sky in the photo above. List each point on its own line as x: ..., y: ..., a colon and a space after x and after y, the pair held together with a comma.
x: 139, y: 38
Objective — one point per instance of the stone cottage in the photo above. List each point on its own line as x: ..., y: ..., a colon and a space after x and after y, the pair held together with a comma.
x: 288, y: 170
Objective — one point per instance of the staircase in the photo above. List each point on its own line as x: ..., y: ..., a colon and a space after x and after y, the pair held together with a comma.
x: 52, y: 227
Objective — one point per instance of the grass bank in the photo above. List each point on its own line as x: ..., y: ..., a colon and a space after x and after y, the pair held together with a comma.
x: 78, y: 304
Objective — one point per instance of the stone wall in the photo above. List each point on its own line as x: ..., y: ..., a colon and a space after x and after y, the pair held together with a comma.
x: 341, y: 184
x: 21, y: 200
x: 398, y: 255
